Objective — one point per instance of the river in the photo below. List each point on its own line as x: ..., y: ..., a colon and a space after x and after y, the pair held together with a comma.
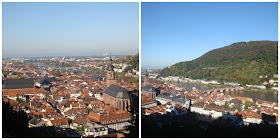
x: 42, y: 65
x: 254, y: 94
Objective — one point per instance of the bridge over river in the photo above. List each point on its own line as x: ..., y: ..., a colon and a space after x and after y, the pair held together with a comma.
x: 238, y: 91
x: 222, y: 90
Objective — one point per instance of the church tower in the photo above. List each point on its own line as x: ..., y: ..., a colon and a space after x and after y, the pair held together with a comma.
x: 148, y: 90
x: 115, y: 95
x: 111, y: 80
x: 146, y: 79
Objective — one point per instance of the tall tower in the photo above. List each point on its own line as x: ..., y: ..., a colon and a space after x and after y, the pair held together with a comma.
x: 146, y: 79
x: 111, y: 80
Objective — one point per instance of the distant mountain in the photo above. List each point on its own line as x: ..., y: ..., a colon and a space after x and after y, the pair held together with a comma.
x: 243, y: 62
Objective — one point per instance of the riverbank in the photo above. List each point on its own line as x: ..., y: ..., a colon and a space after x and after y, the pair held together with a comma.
x: 267, y: 91
x: 255, y: 94
x: 212, y: 86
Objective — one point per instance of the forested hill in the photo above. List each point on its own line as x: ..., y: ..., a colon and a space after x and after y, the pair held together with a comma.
x: 243, y: 62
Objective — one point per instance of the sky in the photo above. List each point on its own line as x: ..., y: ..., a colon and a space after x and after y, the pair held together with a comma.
x: 176, y: 32
x: 69, y: 29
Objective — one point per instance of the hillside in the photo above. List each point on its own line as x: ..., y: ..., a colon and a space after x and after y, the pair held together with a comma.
x: 132, y: 60
x: 243, y: 62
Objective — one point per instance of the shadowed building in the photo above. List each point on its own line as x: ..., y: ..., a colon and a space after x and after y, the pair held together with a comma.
x: 174, y: 98
x: 43, y: 82
x: 117, y: 97
x: 149, y: 91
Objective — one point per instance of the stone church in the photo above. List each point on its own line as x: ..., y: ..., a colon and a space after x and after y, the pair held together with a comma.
x: 148, y: 90
x: 115, y: 95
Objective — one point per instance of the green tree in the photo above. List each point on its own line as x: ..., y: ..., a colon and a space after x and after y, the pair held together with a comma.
x: 133, y: 80
x: 226, y: 105
x: 18, y: 99
x: 247, y: 103
x: 241, y: 62
x: 127, y: 58
x: 268, y: 86
x: 239, y: 108
x: 81, y: 128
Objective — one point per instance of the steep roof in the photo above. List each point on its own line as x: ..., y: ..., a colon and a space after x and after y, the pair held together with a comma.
x: 235, y: 101
x: 58, y: 122
x: 149, y: 88
x: 117, y: 117
x: 146, y: 100
x: 35, y: 120
x: 17, y: 83
x: 117, y: 92
x: 81, y: 121
x: 43, y: 81
x: 24, y: 91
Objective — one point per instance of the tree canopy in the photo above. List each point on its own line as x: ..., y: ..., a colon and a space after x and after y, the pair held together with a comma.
x: 241, y: 62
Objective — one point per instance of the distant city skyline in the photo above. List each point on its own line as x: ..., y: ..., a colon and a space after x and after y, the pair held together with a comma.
x: 60, y: 56
x: 45, y: 29
x: 85, y: 56
x: 176, y: 32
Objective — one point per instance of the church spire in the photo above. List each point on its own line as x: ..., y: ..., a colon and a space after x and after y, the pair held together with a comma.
x: 111, y: 74
x: 146, y: 78
x: 146, y: 73
x: 110, y: 66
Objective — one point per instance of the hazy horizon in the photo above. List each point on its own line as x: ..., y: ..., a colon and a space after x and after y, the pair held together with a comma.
x: 101, y: 55
x: 43, y: 29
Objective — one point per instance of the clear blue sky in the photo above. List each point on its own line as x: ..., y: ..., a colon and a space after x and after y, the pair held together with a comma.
x: 175, y: 32
x: 70, y: 29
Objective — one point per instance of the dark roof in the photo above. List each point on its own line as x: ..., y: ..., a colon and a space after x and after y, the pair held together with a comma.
x: 35, y: 120
x: 149, y: 88
x: 67, y: 104
x: 43, y: 81
x: 66, y: 97
x: 87, y: 100
x: 53, y: 79
x: 35, y: 103
x: 235, y: 101
x: 17, y: 83
x: 81, y: 121
x: 198, y: 105
x: 117, y: 92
